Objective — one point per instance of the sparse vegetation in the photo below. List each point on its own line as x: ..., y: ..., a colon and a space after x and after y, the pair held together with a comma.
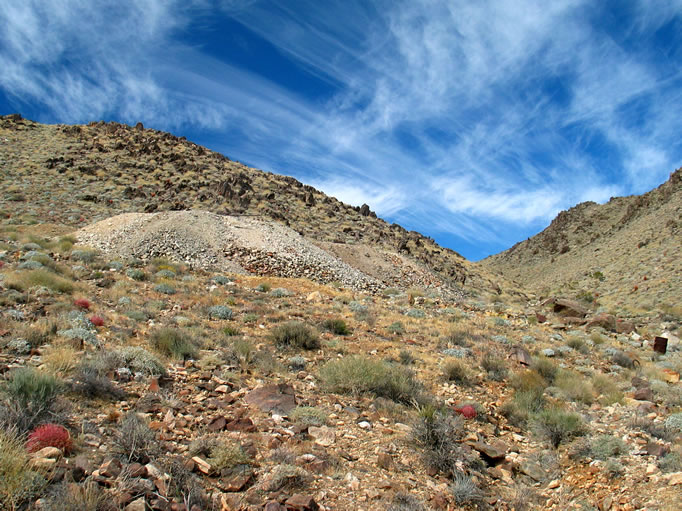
x: 357, y: 374
x: 458, y: 371
x: 134, y: 441
x: 175, y: 343
x: 19, y: 484
x: 23, y: 281
x: 295, y: 335
x: 335, y: 326
x: 31, y: 396
x: 557, y: 426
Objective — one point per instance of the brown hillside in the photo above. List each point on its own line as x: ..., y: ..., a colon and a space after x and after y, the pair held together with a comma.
x: 626, y: 252
x: 77, y: 175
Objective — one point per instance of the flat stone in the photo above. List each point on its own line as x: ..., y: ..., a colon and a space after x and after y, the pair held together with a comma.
x: 245, y: 425
x: 137, y: 505
x: 570, y: 308
x: 674, y: 479
x: 385, y: 461
x: 299, y: 502
x: 217, y: 424
x: 658, y: 450
x: 323, y: 435
x: 111, y: 468
x: 644, y: 394
x: 279, y: 398
x: 670, y: 376
x: 494, y: 452
x: 521, y: 355
x: 48, y: 452
x: 272, y: 505
x: 236, y: 482
x: 203, y: 466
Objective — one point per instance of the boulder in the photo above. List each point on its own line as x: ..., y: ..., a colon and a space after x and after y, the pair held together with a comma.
x: 300, y: 502
x: 278, y: 398
x: 571, y: 308
x: 603, y: 320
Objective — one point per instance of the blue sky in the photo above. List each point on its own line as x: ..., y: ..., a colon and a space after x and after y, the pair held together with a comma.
x: 473, y: 122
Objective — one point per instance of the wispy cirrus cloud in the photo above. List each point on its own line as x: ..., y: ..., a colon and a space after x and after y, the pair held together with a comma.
x: 479, y: 120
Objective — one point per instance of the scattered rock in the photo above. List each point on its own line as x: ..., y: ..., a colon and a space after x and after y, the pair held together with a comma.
x: 278, y: 398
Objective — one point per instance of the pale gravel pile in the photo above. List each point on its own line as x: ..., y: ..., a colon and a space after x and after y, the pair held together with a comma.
x: 227, y: 243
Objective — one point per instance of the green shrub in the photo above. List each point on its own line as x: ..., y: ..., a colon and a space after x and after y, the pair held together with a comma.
x: 671, y: 462
x: 226, y: 455
x: 219, y: 312
x: 396, y: 328
x: 295, y: 335
x: 406, y: 357
x: 607, y: 446
x: 231, y: 331
x: 174, y: 342
x: 528, y: 380
x: 31, y: 396
x: 88, y: 496
x: 165, y: 289
x: 309, y: 416
x: 458, y: 371
x: 523, y: 405
x: 438, y: 434
x: 578, y: 344
x: 459, y: 337
x: 136, y: 274
x: 545, y: 368
x: 405, y: 502
x: 494, y: 366
x: 335, y: 326
x: 575, y: 387
x: 358, y: 374
x: 134, y: 440
x: 18, y: 483
x: 465, y: 491
x: 556, y: 426
x: 607, y: 389
x: 21, y: 281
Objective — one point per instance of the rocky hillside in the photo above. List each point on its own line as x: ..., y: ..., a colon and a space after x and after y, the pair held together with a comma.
x: 71, y: 176
x: 624, y: 254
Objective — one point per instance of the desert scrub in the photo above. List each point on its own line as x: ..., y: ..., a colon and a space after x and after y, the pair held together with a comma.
x: 607, y: 390
x: 309, y: 416
x: 231, y: 331
x: 528, y: 380
x: 556, y: 425
x: 494, y: 366
x: 406, y: 357
x: 461, y: 336
x: 465, y: 491
x: 136, y: 274
x: 358, y: 374
x: 165, y: 289
x: 174, y: 342
x: 84, y: 255
x: 24, y: 280
x: 61, y: 359
x: 545, y: 368
x: 405, y: 502
x: 31, y: 396
x: 227, y: 455
x: 575, y: 387
x: 604, y: 447
x: 295, y: 335
x: 165, y: 274
x: 437, y: 433
x: 335, y: 326
x: 18, y: 483
x: 522, y: 406
x: 578, y: 344
x: 134, y: 440
x: 396, y: 328
x: 88, y: 496
x: 219, y: 312
x: 458, y: 371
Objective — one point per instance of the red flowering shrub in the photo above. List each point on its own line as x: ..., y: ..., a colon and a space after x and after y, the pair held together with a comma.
x: 467, y: 411
x: 49, y: 435
x: 97, y: 320
x: 82, y: 303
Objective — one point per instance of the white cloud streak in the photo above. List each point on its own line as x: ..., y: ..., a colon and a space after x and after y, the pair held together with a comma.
x: 457, y: 116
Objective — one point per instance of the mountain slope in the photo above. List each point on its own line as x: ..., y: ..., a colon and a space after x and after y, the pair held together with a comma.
x: 76, y: 175
x: 626, y: 253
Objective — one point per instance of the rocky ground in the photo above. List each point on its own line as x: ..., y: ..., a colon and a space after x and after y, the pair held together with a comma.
x: 181, y: 332
x: 180, y: 386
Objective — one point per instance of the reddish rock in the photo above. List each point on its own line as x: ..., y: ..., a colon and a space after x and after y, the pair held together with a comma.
x: 657, y: 450
x: 644, y: 394
x: 385, y: 461
x: 494, y: 452
x: 236, y: 482
x: 279, y: 398
x: 603, y: 320
x: 521, y: 355
x: 272, y: 505
x: 624, y: 327
x: 136, y: 470
x: 571, y: 308
x: 541, y: 317
x: 217, y: 424
x: 111, y: 468
x: 244, y: 425
x: 301, y: 503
